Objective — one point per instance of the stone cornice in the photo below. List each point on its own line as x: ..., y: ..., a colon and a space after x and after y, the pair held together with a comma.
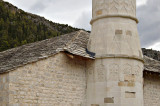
x: 111, y: 16
x: 119, y: 56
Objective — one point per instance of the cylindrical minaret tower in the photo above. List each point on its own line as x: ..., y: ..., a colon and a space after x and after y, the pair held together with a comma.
x: 115, y: 77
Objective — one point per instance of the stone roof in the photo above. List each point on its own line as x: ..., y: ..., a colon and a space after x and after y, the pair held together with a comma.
x: 74, y: 43
x: 151, y: 65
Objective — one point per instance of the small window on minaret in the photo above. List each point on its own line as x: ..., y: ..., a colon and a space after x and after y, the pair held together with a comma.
x: 128, y: 33
x: 118, y: 32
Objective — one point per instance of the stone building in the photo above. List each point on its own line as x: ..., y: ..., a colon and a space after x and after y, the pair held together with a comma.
x: 53, y: 72
x: 104, y: 68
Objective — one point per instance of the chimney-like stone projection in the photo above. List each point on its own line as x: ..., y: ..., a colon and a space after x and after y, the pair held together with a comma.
x: 115, y: 77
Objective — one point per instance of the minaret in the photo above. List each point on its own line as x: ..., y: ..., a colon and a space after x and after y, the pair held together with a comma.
x: 115, y: 77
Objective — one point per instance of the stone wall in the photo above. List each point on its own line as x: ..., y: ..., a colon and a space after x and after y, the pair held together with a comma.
x: 4, y: 85
x: 56, y: 81
x: 151, y: 89
x: 121, y: 84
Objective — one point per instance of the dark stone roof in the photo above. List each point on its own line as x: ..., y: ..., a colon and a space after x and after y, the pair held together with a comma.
x: 74, y: 43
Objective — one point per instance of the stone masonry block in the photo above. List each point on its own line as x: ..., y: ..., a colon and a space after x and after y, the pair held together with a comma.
x: 118, y: 32
x: 94, y: 105
x: 109, y: 100
x: 129, y: 78
x: 126, y: 83
x: 128, y: 32
x: 99, y: 12
x: 130, y: 94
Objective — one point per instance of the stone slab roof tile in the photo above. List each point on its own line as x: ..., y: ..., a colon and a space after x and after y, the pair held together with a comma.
x: 29, y: 53
x: 78, y: 45
x: 74, y: 43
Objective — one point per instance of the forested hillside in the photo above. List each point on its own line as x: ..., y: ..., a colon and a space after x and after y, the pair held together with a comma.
x: 18, y: 27
x: 154, y: 54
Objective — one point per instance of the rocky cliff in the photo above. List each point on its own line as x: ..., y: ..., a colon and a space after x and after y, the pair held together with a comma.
x: 151, y: 53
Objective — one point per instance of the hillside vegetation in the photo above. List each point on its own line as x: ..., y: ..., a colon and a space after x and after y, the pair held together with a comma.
x: 18, y: 27
x: 154, y: 54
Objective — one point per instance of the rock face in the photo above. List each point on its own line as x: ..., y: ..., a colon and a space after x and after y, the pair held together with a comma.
x: 115, y: 77
x: 151, y: 53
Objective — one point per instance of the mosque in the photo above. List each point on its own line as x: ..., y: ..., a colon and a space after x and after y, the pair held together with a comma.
x: 103, y: 68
